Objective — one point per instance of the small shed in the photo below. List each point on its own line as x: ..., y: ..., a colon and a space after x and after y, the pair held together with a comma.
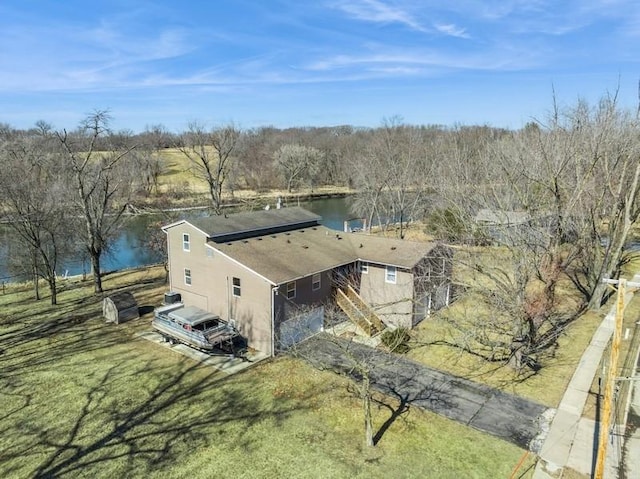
x: 120, y: 307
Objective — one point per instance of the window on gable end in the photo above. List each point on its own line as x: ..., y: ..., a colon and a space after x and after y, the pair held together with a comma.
x: 186, y: 242
x: 391, y: 274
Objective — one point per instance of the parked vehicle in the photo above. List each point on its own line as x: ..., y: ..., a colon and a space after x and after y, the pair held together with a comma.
x: 193, y: 327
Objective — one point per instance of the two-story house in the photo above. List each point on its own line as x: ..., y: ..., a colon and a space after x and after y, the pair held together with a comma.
x: 260, y: 269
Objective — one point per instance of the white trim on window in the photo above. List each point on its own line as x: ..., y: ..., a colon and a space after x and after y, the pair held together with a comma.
x: 316, y: 281
x: 237, y: 289
x: 187, y: 276
x: 391, y: 274
x: 291, y: 290
x: 364, y: 267
x: 186, y: 242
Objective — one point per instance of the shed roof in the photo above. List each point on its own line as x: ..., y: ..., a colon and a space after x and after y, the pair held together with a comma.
x: 122, y: 300
x: 502, y: 217
x: 283, y: 257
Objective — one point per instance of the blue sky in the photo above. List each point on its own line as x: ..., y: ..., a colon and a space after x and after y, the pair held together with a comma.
x: 316, y: 63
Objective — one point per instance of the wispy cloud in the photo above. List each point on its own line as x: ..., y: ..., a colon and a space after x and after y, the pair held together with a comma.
x: 417, y: 62
x: 377, y: 11
x: 452, y: 30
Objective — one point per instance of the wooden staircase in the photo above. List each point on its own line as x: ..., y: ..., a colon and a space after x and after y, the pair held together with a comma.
x: 358, y: 311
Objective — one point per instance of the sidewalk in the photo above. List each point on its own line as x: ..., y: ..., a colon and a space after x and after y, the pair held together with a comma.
x: 572, y: 439
x: 227, y: 364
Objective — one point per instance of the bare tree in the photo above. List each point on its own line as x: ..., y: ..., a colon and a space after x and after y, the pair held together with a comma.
x: 610, y: 203
x: 101, y: 183
x: 32, y: 192
x: 255, y: 158
x: 210, y: 155
x: 296, y: 162
x: 392, y: 176
x: 344, y: 356
x: 148, y: 159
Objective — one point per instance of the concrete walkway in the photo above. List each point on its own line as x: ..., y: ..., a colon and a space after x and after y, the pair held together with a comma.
x: 503, y: 415
x: 225, y: 363
x: 631, y: 458
x: 572, y: 439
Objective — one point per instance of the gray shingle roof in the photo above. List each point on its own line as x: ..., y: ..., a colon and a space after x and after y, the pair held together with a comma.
x: 283, y: 257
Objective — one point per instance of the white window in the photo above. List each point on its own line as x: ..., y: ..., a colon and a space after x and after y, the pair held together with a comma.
x: 209, y: 253
x: 315, y: 281
x: 291, y: 290
x: 236, y: 287
x: 391, y: 274
x: 364, y: 267
x: 187, y: 276
x: 186, y: 244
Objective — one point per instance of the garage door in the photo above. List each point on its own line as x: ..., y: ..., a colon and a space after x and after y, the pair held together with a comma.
x: 301, y: 327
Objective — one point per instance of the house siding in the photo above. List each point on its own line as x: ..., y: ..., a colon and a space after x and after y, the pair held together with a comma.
x: 392, y: 302
x: 432, y: 284
x: 306, y: 298
x: 211, y: 286
x: 179, y: 260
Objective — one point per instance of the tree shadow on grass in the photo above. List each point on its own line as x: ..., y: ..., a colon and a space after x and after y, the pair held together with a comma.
x: 150, y: 425
x: 396, y: 411
x: 389, y: 376
x: 407, y: 391
x: 31, y: 338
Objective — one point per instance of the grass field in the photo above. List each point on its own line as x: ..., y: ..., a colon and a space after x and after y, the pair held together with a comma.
x: 547, y: 386
x: 179, y: 182
x: 82, y: 398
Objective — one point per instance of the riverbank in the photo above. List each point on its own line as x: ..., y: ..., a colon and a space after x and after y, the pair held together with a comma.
x: 243, y: 199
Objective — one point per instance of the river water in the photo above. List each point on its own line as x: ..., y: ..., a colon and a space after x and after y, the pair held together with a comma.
x: 129, y: 250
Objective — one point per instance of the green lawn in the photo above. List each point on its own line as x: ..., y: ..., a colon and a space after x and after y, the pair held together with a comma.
x: 81, y: 398
x: 548, y: 385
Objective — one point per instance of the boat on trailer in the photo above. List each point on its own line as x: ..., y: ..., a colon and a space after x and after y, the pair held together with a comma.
x: 194, y: 327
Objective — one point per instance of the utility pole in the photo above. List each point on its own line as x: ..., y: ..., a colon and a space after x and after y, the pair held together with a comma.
x: 611, y: 374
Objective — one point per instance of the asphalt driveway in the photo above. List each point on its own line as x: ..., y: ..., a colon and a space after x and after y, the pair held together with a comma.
x: 512, y: 418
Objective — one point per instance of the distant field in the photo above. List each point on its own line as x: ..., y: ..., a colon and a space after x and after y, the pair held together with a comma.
x: 178, y: 177
x: 82, y: 398
x: 177, y: 173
